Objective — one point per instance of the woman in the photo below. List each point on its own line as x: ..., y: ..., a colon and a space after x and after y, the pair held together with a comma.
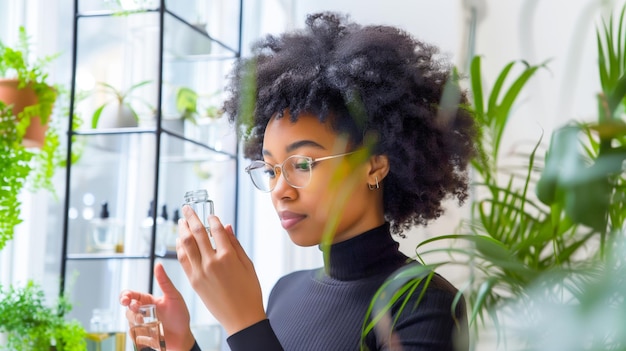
x: 349, y: 138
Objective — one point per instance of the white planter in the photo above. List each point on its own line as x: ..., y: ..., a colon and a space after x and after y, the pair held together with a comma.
x: 117, y: 116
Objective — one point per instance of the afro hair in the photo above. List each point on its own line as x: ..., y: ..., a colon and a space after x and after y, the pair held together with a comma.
x: 364, y: 80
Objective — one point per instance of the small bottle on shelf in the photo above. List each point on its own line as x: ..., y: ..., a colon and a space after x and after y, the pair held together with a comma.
x: 161, y: 231
x: 101, y: 335
x: 106, y: 233
x: 172, y: 234
x: 146, y: 229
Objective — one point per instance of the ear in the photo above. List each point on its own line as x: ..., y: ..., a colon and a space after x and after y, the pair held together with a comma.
x: 378, y: 169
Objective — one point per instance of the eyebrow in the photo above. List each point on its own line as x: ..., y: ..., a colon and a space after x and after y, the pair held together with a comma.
x: 298, y: 144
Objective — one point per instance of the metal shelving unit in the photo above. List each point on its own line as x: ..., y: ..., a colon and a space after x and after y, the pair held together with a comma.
x: 147, y: 164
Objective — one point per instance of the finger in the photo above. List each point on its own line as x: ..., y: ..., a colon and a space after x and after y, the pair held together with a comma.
x: 187, y: 245
x: 134, y: 298
x: 134, y: 317
x: 220, y: 235
x: 234, y: 242
x: 130, y: 316
x: 164, y: 281
x: 183, y: 258
x: 198, y: 231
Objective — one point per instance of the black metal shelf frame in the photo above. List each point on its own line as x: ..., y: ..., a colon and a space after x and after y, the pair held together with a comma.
x: 158, y: 131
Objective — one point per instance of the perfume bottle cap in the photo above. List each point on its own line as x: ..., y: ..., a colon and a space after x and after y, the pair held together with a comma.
x: 164, y: 212
x: 104, y: 210
x: 151, y: 209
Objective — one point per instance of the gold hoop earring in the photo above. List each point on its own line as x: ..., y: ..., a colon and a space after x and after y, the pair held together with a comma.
x: 372, y: 187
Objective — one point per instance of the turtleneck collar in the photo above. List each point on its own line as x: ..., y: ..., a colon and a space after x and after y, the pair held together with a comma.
x: 370, y: 253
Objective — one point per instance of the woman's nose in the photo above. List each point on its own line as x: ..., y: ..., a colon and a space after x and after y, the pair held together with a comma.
x: 282, y: 188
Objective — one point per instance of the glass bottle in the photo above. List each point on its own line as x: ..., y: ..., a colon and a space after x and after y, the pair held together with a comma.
x: 101, y: 335
x: 199, y: 201
x: 147, y: 332
x: 107, y: 232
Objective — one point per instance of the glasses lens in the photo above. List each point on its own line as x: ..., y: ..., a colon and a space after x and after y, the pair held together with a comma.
x: 297, y: 170
x: 262, y: 175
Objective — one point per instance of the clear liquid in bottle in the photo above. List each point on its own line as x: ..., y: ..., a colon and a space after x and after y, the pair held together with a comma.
x: 147, y: 332
x: 148, y: 336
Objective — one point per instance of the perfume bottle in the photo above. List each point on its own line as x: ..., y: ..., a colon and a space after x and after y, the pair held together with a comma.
x: 147, y: 332
x: 162, y: 228
x: 106, y: 232
x: 146, y: 230
x: 199, y: 201
x: 172, y: 231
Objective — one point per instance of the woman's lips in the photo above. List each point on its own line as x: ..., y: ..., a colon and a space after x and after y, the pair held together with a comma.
x: 289, y: 219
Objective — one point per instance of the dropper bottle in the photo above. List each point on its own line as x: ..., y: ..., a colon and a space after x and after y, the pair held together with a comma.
x: 105, y: 231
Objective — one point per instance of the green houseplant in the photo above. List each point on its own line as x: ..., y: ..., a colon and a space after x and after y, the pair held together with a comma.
x: 204, y: 112
x: 28, y: 74
x: 20, y: 164
x: 120, y: 105
x: 544, y: 240
x: 25, y: 320
x: 193, y: 106
x: 30, y: 324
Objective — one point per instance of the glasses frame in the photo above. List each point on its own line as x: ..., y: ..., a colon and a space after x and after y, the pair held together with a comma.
x: 279, y: 166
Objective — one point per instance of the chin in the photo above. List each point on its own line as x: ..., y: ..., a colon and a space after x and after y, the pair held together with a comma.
x: 301, y: 240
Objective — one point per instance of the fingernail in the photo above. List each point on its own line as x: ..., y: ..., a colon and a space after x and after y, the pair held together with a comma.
x: 186, y: 210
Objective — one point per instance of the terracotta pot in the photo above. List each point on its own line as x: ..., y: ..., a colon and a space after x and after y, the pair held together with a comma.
x: 20, y: 98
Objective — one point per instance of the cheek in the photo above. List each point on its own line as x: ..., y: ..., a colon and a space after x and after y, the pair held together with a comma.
x: 321, y: 203
x: 331, y: 197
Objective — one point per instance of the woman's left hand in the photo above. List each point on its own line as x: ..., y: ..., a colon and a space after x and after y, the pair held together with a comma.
x: 224, y: 276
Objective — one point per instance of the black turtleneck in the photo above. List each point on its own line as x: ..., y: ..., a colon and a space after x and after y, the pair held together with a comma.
x: 324, y: 309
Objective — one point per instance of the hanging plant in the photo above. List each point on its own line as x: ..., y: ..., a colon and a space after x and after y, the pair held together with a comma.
x: 20, y: 164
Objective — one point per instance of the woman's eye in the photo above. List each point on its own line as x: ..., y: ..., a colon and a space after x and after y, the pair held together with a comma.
x: 302, y: 165
x: 270, y: 172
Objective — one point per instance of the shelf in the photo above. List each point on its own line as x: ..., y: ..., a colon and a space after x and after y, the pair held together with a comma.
x: 116, y: 256
x: 175, y: 146
x: 225, y: 51
x: 143, y: 172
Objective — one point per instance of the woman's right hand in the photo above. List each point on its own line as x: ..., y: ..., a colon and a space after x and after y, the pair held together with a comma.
x: 171, y: 310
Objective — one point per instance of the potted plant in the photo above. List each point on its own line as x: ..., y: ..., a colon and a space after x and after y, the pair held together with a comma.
x: 193, y: 106
x: 204, y: 113
x: 545, y: 240
x: 24, y: 84
x: 30, y: 324
x: 26, y: 100
x: 118, y: 111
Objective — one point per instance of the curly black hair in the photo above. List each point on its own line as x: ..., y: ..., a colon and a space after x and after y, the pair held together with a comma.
x: 365, y: 79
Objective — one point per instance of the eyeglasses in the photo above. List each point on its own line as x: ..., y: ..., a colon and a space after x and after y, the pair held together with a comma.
x: 295, y: 169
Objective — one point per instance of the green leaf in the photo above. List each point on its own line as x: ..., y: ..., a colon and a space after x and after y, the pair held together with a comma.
x: 495, y: 91
x: 481, y: 297
x: 96, y: 116
x: 561, y: 157
x: 477, y: 89
x: 588, y: 203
